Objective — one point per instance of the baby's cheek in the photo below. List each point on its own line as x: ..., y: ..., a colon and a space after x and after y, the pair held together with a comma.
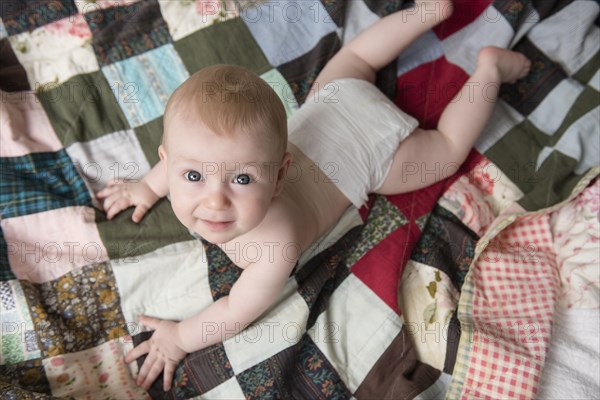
x: 183, y: 210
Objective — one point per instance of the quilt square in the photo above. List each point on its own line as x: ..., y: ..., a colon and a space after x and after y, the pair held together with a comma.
x: 447, y: 245
x: 300, y: 26
x: 301, y: 371
x: 514, y: 11
x: 122, y: 32
x: 424, y: 98
x: 38, y: 256
x: 222, y: 271
x: 95, y: 373
x: 355, y: 318
x: 78, y: 311
x: 207, y: 372
x: 575, y: 229
x: 28, y: 376
x: 115, y: 156
x: 283, y: 90
x: 230, y: 389
x: 504, y: 118
x: 145, y: 82
x: 88, y: 6
x: 22, y: 15
x: 3, y: 32
x: 280, y: 327
x: 336, y: 10
x: 168, y: 283
x: 508, y: 313
x: 579, y: 126
x: 324, y: 272
x: 425, y: 49
x: 525, y: 94
x: 227, y: 42
x: 480, y: 195
x: 55, y: 52
x: 302, y: 71
x: 589, y: 73
x: 547, y: 8
x: 25, y: 126
x: 384, y: 218
x: 400, y: 373
x: 428, y: 299
x: 549, y: 115
x: 13, y: 77
x: 123, y: 238
x: 5, y: 272
x: 19, y: 340
x: 149, y: 137
x: 581, y: 41
x: 358, y: 18
x: 78, y: 108
x: 39, y: 182
x: 480, y: 27
x: 184, y: 18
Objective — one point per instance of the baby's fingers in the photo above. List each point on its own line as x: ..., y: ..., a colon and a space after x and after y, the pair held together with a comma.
x: 115, y: 207
x: 168, y: 376
x: 111, y: 188
x: 149, y: 375
x: 138, y: 351
x: 139, y: 213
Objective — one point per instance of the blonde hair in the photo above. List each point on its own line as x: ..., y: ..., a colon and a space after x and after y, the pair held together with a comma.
x: 228, y: 99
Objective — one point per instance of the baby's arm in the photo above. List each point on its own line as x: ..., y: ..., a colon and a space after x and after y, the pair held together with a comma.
x: 141, y: 194
x: 252, y: 294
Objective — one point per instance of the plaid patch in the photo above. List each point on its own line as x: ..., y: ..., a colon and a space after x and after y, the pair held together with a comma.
x: 5, y: 272
x: 509, y: 311
x: 39, y: 182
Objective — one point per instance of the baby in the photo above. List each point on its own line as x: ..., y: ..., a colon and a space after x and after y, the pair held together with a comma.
x: 226, y: 158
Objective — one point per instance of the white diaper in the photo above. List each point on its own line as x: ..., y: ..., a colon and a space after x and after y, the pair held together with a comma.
x: 351, y: 131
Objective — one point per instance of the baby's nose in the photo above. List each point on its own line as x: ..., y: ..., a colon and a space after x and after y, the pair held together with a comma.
x: 216, y: 200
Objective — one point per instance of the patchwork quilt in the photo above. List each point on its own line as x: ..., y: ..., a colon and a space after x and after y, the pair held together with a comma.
x: 484, y: 285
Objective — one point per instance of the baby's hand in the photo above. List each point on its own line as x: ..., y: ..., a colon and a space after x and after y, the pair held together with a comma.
x: 164, y: 353
x: 121, y: 195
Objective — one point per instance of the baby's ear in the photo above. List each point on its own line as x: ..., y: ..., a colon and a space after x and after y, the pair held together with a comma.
x: 282, y: 173
x: 162, y: 153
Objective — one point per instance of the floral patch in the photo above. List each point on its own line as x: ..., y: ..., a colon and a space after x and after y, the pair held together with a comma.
x: 77, y: 311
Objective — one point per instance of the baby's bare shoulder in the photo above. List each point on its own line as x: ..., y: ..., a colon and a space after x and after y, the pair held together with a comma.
x: 275, y: 240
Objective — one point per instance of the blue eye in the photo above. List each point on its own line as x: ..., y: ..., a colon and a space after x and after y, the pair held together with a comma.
x: 243, y: 179
x: 193, y: 176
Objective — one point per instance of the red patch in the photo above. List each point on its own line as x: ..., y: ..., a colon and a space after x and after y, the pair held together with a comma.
x: 425, y: 91
x: 465, y: 12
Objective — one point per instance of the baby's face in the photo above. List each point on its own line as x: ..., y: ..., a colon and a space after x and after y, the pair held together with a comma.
x: 221, y: 186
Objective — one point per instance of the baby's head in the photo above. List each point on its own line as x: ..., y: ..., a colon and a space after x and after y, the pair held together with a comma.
x: 229, y: 100
x: 224, y: 147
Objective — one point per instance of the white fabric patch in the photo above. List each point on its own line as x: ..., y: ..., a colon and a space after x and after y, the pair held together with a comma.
x: 168, y: 283
x: 355, y: 330
x: 579, y: 37
x: 279, y: 328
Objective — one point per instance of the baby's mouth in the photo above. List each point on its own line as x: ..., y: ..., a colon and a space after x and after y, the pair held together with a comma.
x: 217, y: 225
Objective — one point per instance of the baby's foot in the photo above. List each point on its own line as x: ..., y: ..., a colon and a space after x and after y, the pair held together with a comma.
x: 509, y: 64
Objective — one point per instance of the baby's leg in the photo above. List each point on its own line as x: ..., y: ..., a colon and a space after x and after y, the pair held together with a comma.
x: 382, y: 42
x: 427, y: 156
